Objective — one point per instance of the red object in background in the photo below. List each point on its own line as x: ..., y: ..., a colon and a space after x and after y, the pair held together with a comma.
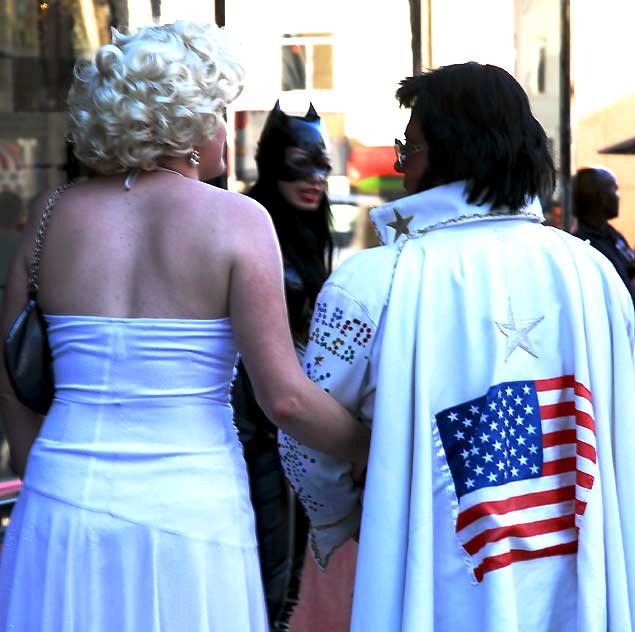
x: 240, y: 119
x: 8, y: 493
x: 365, y: 162
x: 9, y: 489
x: 553, y: 216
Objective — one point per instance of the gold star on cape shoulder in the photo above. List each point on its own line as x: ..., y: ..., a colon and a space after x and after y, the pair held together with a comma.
x: 400, y: 224
x: 318, y: 360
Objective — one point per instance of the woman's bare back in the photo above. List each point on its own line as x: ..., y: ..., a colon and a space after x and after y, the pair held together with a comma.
x: 162, y: 249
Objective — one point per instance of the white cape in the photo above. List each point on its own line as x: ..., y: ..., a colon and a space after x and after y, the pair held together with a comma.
x: 479, y: 525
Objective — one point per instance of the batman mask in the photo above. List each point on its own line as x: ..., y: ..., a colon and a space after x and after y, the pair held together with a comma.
x: 292, y: 147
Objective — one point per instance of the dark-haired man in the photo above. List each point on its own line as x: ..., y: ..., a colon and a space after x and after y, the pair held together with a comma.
x: 494, y: 357
x: 596, y: 201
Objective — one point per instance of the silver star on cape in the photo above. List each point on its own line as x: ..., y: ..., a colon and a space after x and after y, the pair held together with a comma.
x: 400, y: 224
x: 517, y: 332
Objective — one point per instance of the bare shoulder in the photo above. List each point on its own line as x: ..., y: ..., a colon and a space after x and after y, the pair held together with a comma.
x: 235, y: 215
x: 228, y: 202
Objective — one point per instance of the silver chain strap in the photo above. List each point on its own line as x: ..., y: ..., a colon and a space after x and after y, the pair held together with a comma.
x: 34, y: 269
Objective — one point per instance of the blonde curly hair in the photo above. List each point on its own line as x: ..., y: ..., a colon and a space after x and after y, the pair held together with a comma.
x: 158, y: 92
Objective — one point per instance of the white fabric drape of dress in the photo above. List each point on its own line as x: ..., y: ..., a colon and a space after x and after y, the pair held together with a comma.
x: 135, y: 513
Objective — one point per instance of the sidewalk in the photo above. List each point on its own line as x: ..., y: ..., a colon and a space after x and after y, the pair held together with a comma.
x: 326, y: 598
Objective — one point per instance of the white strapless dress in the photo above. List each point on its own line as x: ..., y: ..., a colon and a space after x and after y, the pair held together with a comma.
x: 135, y: 514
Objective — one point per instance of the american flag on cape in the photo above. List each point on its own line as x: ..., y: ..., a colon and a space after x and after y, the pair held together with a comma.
x: 522, y: 459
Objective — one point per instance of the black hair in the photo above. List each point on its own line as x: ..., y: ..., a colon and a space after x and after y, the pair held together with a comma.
x: 304, y: 236
x: 478, y: 126
x: 588, y: 189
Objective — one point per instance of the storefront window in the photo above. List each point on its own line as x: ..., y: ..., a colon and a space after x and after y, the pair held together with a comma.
x: 39, y: 42
x: 307, y: 62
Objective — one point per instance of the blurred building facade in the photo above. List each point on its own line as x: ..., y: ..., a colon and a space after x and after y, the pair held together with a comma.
x: 603, y: 94
x: 39, y: 43
x: 347, y: 58
x: 602, y: 88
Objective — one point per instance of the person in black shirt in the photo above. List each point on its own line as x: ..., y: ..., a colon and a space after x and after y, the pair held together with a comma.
x: 595, y: 201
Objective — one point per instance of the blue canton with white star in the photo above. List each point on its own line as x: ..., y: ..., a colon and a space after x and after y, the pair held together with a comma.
x: 494, y: 439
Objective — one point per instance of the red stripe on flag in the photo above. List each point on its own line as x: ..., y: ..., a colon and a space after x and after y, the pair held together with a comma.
x: 553, y: 411
x: 580, y: 506
x: 582, y: 391
x: 585, y: 420
x: 587, y: 451
x: 498, y: 507
x: 558, y: 467
x: 538, y: 527
x: 583, y: 479
x: 559, y: 437
x: 564, y: 381
x: 519, y: 555
x: 551, y: 384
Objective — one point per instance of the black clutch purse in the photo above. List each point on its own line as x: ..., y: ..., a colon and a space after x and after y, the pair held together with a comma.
x: 27, y: 354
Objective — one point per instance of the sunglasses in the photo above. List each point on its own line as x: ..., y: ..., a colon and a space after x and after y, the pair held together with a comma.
x: 404, y: 150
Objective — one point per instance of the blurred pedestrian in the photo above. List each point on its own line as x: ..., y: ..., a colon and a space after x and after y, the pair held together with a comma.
x: 596, y: 201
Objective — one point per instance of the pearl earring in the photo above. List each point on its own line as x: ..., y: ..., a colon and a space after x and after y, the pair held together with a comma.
x: 194, y: 158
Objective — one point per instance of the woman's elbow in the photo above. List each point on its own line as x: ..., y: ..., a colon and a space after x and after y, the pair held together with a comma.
x: 284, y: 410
